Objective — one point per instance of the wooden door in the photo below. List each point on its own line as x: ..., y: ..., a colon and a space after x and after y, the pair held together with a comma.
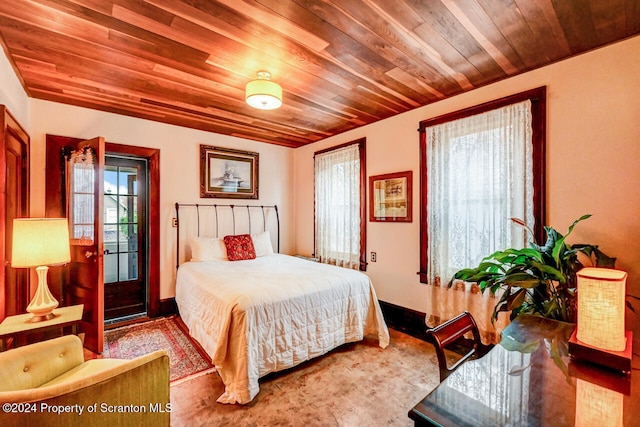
x: 14, y: 203
x: 84, y: 178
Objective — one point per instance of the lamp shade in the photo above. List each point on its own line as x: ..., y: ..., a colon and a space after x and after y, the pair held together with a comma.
x: 263, y: 93
x: 601, y: 304
x: 40, y: 242
x: 598, y: 406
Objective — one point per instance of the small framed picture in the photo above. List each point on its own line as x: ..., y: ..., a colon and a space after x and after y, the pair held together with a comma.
x: 228, y: 174
x: 390, y: 197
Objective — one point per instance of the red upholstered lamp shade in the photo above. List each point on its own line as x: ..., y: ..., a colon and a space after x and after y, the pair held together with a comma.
x: 239, y: 247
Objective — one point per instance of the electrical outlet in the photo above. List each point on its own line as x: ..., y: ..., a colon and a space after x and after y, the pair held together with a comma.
x: 374, y: 257
x: 174, y: 222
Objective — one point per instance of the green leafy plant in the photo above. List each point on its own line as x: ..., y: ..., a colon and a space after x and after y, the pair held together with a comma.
x: 540, y: 279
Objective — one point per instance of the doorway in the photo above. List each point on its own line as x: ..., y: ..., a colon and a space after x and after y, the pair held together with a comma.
x: 126, y: 261
x: 82, y: 282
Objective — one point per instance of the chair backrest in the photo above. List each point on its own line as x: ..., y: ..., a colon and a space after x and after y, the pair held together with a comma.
x: 451, y: 332
x: 32, y: 365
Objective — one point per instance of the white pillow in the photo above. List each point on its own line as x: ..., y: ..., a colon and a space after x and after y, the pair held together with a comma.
x: 208, y: 249
x: 262, y: 243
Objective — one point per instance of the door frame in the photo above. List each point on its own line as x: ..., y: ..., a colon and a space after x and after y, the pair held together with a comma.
x: 152, y: 156
x: 55, y: 208
x: 9, y: 125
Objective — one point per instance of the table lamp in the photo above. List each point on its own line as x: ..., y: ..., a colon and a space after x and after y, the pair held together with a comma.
x: 40, y: 242
x: 600, y: 335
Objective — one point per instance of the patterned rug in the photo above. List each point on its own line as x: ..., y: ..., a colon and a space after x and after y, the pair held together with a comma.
x: 186, y: 359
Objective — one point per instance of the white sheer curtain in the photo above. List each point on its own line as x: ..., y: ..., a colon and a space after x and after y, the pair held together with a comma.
x: 337, y: 188
x: 479, y: 175
x: 80, y: 172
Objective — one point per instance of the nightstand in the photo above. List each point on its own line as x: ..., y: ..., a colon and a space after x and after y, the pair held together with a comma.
x: 19, y: 326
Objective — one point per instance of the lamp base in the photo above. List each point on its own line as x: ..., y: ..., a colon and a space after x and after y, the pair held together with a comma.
x: 43, y: 303
x: 36, y: 319
x: 619, y: 361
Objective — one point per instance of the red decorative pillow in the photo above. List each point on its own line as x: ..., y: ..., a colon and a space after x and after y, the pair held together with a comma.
x: 239, y: 247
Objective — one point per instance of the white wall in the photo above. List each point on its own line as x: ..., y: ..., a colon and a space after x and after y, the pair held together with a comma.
x: 179, y: 167
x: 12, y: 95
x: 593, y: 153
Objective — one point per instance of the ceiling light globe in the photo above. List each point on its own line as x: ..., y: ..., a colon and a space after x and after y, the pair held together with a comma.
x: 263, y: 94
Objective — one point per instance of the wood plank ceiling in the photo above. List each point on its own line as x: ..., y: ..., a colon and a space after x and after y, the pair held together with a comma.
x: 341, y: 63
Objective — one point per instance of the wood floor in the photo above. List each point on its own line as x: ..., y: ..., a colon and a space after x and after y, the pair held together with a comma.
x: 358, y: 384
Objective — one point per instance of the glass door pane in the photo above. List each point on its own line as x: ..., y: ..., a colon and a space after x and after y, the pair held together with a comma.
x: 124, y: 248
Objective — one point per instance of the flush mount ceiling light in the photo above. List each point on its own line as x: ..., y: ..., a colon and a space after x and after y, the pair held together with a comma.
x: 263, y: 93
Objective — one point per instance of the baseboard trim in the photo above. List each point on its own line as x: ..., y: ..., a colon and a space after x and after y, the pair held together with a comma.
x: 168, y: 307
x: 406, y: 320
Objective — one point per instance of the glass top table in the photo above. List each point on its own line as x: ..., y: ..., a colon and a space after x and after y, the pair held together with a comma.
x: 529, y: 380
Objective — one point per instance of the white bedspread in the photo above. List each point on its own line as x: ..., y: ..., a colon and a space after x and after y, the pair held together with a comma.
x: 265, y: 315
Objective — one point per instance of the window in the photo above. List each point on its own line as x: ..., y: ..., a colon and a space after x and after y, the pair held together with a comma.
x: 478, y: 168
x: 80, y: 170
x: 340, y: 205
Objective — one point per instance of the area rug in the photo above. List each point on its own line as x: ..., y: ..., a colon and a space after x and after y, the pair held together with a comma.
x: 186, y: 360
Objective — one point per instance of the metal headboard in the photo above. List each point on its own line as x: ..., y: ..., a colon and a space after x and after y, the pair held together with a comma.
x: 233, y: 208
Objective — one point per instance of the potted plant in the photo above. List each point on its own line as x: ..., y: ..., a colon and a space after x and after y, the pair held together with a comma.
x: 539, y: 279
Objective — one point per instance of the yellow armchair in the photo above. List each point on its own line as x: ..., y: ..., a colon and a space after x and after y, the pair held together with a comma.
x: 49, y: 384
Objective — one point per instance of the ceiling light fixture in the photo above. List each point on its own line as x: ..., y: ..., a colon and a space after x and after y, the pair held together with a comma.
x: 263, y: 93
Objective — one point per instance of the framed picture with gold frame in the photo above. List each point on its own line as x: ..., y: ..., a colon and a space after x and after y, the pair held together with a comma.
x: 228, y: 174
x: 390, y: 197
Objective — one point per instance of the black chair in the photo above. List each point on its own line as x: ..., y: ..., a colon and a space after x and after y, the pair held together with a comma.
x: 450, y: 335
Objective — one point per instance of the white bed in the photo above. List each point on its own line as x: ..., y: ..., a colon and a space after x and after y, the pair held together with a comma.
x: 271, y: 313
